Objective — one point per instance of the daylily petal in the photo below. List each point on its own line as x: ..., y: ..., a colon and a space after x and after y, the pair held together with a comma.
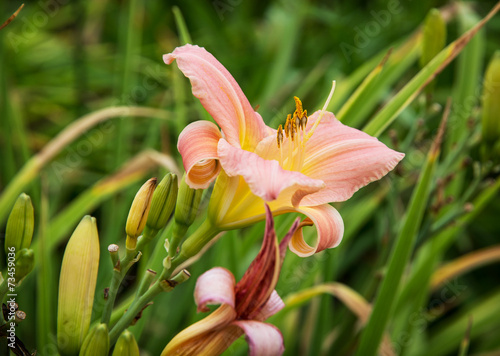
x: 265, y: 178
x: 273, y: 305
x: 216, y: 286
x: 197, y: 145
x: 344, y: 158
x: 262, y: 338
x: 220, y: 94
x: 198, y: 335
x: 330, y: 229
x: 259, y: 280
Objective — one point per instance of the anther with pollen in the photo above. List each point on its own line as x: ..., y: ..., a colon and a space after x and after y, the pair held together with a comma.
x: 280, y: 136
x: 288, y: 125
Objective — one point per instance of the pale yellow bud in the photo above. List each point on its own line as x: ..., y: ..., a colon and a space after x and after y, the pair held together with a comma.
x: 77, y: 284
x: 138, y: 213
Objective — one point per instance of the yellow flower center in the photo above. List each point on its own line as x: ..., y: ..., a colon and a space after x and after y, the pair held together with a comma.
x: 295, y: 133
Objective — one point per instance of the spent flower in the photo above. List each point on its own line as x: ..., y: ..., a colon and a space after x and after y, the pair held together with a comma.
x: 244, y: 305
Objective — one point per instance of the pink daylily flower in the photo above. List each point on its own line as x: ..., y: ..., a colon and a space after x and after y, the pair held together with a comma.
x: 244, y: 305
x: 316, y: 160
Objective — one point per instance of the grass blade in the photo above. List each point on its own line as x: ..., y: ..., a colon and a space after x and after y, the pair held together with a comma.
x: 370, y: 339
x: 410, y: 91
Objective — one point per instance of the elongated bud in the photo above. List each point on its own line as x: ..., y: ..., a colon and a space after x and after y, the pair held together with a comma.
x: 434, y: 37
x: 188, y: 201
x: 126, y: 345
x: 77, y: 286
x: 97, y: 342
x: 20, y: 225
x: 162, y: 204
x: 491, y: 101
x: 25, y: 261
x: 138, y: 213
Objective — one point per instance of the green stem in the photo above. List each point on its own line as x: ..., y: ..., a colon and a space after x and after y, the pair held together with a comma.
x: 195, y: 243
x: 137, y: 305
x: 118, y: 274
x: 140, y: 302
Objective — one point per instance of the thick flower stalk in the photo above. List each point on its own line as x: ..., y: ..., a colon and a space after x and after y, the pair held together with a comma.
x: 244, y: 305
x: 303, y: 166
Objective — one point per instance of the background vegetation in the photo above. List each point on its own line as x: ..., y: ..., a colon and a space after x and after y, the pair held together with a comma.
x: 61, y: 60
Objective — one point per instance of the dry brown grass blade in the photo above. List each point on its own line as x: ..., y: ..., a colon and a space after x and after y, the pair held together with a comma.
x: 32, y: 167
x: 350, y: 298
x: 9, y: 20
x: 465, y: 264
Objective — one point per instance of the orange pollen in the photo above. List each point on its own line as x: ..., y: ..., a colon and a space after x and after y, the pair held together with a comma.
x: 288, y: 125
x: 280, y: 136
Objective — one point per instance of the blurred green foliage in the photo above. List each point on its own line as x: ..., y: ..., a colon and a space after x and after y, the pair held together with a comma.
x: 60, y: 60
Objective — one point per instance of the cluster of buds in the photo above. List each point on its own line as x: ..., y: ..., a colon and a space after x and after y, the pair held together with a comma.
x: 188, y: 201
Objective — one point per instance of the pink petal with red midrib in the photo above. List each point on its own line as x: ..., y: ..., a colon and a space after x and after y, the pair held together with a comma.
x: 216, y: 286
x: 263, y: 339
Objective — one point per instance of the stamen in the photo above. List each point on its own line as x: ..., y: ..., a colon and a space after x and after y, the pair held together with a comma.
x: 298, y: 105
x: 318, y: 120
x: 279, y: 137
x: 296, y: 122
x: 303, y: 120
x: 288, y: 125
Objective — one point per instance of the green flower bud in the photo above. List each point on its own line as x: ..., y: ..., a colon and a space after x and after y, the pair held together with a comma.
x: 138, y: 213
x: 126, y: 345
x: 25, y: 261
x: 434, y: 36
x: 97, y: 342
x: 20, y: 225
x: 491, y: 101
x: 163, y: 203
x: 188, y: 201
x: 77, y: 286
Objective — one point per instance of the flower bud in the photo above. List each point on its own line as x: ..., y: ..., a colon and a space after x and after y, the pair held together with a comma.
x: 434, y: 36
x: 20, y: 225
x: 186, y: 209
x: 77, y: 284
x: 491, y: 101
x: 25, y: 261
x: 97, y: 342
x: 126, y: 345
x: 138, y: 213
x: 162, y: 204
